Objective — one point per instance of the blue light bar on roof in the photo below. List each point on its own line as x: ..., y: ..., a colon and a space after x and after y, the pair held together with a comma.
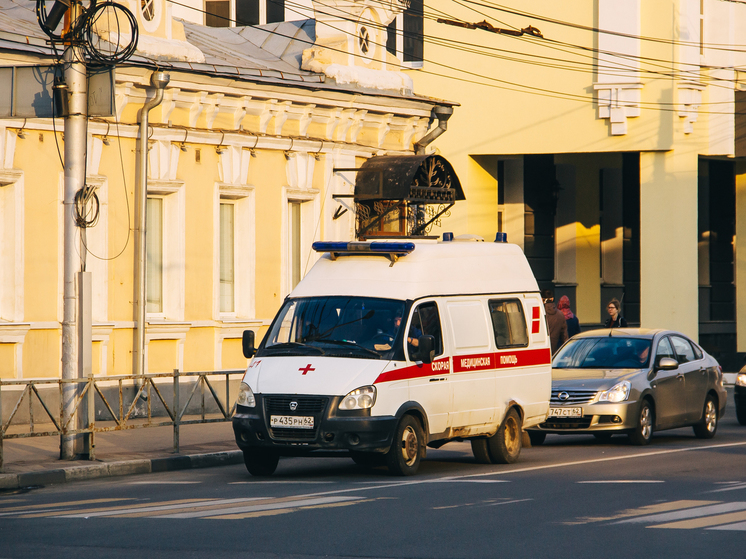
x: 380, y: 247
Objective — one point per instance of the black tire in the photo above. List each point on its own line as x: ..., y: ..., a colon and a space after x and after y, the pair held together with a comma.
x: 260, y: 461
x: 708, y: 425
x: 643, y: 431
x: 505, y: 445
x: 368, y: 459
x: 481, y: 452
x: 407, y: 448
x: 741, y: 412
x: 537, y: 437
x: 603, y: 437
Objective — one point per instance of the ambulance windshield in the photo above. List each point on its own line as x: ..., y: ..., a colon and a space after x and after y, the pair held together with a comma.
x: 336, y: 326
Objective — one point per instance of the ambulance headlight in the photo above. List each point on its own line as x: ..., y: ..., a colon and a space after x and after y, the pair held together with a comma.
x: 245, y: 396
x: 359, y: 399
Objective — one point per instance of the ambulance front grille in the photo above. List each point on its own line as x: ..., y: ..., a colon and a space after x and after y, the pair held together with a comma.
x: 304, y: 405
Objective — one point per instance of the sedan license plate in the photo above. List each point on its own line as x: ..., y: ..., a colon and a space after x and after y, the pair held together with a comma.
x: 565, y: 412
x: 291, y: 421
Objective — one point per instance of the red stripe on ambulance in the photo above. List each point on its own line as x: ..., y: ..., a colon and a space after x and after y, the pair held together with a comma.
x: 437, y: 367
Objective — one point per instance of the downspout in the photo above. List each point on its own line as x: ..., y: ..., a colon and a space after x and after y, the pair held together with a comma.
x: 159, y: 80
x: 442, y: 113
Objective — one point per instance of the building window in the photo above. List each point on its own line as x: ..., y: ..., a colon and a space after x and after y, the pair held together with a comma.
x: 234, y: 251
x: 406, y: 35
x: 240, y: 13
x: 294, y: 246
x: 227, y: 274
x: 217, y: 13
x: 154, y: 259
x: 11, y: 247
x: 148, y: 9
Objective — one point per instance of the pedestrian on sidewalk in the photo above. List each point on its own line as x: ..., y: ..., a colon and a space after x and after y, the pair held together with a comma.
x: 573, y: 324
x: 615, y: 320
x: 555, y: 321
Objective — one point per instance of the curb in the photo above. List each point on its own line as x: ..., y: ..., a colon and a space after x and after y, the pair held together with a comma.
x: 120, y: 468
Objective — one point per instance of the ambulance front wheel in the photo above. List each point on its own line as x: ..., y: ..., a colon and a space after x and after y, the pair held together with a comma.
x: 403, y: 458
x: 505, y: 445
x: 260, y: 461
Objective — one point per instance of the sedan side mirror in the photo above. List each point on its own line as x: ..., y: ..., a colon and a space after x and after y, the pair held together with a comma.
x: 668, y: 364
x: 248, y: 344
x: 426, y: 348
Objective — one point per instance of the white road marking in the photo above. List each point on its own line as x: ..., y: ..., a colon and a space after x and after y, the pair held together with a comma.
x: 280, y: 482
x: 732, y: 486
x: 456, y: 480
x: 509, y: 502
x: 191, y: 504
x: 686, y: 513
x: 740, y: 526
x: 163, y: 482
x: 261, y: 507
x: 623, y: 481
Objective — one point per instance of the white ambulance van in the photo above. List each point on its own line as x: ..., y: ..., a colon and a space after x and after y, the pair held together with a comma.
x: 387, y: 347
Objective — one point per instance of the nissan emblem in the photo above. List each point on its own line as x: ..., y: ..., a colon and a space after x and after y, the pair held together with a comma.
x: 564, y: 396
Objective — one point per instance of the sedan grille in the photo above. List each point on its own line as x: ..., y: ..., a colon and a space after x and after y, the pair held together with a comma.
x: 568, y: 422
x: 574, y: 397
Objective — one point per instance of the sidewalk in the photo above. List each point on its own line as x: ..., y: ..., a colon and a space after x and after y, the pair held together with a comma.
x: 35, y: 460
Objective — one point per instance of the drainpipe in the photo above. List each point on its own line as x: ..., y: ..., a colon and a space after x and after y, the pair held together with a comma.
x: 159, y: 80
x: 442, y: 113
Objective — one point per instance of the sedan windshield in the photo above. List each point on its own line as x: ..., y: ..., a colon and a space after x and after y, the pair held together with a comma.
x: 336, y: 326
x: 603, y: 353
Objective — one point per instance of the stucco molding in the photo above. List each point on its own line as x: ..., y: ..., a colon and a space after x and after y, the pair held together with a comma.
x: 690, y: 99
x: 617, y: 102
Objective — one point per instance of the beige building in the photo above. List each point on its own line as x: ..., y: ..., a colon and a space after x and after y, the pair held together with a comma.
x: 606, y: 138
x: 251, y: 158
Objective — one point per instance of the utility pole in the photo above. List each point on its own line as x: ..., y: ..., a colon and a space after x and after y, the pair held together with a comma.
x: 76, y: 120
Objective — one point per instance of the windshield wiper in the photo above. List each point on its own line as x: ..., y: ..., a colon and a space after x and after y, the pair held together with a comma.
x: 348, y: 343
x: 294, y: 345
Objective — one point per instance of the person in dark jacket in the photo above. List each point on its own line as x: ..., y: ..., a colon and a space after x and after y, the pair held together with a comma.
x: 573, y: 324
x: 615, y: 320
x: 555, y: 321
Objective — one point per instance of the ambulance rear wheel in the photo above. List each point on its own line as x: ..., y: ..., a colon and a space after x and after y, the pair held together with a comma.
x: 505, y: 445
x: 407, y: 448
x: 481, y: 452
x: 261, y: 461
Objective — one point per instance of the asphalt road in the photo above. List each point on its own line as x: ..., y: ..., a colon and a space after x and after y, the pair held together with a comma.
x: 573, y: 498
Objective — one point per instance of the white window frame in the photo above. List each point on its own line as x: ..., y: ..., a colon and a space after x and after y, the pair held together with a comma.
x: 309, y: 201
x: 244, y: 250
x: 174, y: 229
x: 12, y: 194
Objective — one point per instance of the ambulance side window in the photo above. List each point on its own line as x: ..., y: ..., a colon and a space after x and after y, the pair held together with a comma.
x: 509, y: 323
x: 426, y: 321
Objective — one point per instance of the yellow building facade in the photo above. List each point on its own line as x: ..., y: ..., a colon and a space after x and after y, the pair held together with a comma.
x: 605, y: 137
x: 244, y: 159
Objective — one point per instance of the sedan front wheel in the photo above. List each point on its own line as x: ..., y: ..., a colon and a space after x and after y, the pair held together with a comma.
x: 708, y: 425
x: 643, y: 431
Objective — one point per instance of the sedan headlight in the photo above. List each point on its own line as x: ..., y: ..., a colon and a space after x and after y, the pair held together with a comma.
x: 741, y: 379
x: 245, y: 396
x: 617, y: 393
x: 359, y: 399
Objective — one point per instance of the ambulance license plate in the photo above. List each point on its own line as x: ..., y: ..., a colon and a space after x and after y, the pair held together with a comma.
x: 565, y: 412
x: 291, y: 421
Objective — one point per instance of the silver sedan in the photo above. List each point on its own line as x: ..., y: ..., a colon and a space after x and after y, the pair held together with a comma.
x: 633, y: 381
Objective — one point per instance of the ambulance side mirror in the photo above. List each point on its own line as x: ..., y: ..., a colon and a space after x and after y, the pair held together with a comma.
x: 426, y: 348
x: 248, y: 344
